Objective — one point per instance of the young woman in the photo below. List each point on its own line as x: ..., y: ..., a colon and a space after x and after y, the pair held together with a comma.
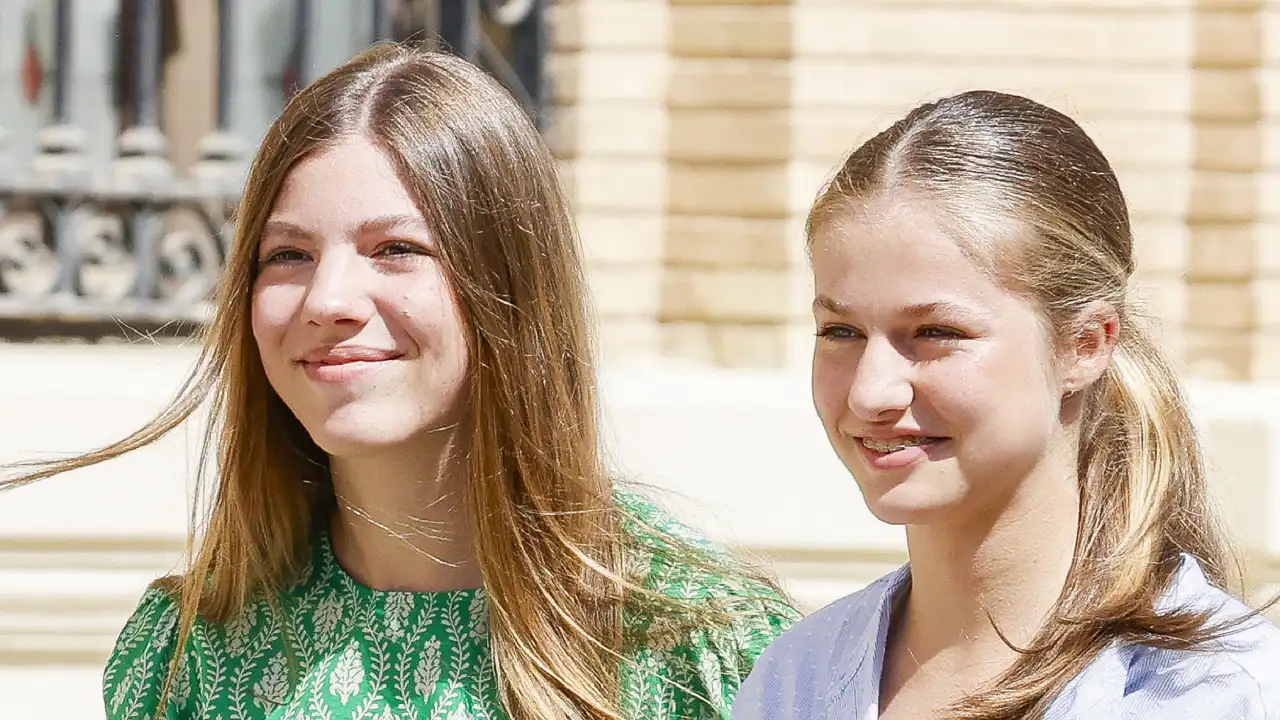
x: 981, y: 374
x: 412, y: 518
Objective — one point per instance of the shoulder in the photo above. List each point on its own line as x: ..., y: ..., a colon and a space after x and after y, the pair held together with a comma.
x: 1234, y: 676
x: 1207, y: 683
x: 141, y: 657
x: 818, y: 656
x: 670, y: 558
x: 829, y: 633
x: 148, y: 669
x: 1240, y: 668
x: 1234, y: 679
x: 652, y: 527
x: 697, y: 655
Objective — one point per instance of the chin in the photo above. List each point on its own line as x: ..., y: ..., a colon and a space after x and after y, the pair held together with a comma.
x: 353, y: 434
x: 353, y: 443
x: 354, y: 430
x: 919, y: 499
x: 911, y: 513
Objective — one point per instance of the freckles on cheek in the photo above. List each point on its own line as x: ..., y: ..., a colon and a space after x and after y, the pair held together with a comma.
x: 269, y: 315
x: 830, y: 392
x: 278, y: 302
x: 966, y: 393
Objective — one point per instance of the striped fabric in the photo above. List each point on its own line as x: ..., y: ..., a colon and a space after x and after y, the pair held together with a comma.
x: 827, y: 667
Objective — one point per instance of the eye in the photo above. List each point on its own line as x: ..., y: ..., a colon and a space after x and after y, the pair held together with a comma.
x: 940, y: 332
x: 838, y: 332
x: 399, y: 247
x: 282, y: 255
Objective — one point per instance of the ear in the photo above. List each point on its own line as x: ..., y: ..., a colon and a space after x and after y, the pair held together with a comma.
x: 1089, y: 350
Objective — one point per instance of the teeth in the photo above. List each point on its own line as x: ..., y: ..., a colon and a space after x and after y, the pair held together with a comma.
x: 892, y: 445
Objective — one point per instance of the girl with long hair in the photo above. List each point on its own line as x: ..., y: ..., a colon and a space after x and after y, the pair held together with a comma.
x: 981, y: 373
x: 411, y: 515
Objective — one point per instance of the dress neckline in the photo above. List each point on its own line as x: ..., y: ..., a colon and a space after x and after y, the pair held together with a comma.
x: 332, y: 571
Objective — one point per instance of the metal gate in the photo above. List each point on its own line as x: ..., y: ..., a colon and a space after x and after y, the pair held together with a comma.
x: 99, y: 231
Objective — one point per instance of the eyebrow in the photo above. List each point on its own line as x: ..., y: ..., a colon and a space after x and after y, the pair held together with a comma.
x: 831, y: 305
x: 918, y: 310
x: 286, y: 229
x: 381, y: 224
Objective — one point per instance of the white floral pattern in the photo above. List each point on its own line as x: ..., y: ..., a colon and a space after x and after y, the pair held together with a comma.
x: 399, y: 607
x: 427, y: 675
x: 333, y: 649
x: 273, y: 687
x: 347, y: 678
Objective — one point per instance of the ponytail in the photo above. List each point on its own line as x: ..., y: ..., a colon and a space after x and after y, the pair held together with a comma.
x: 1143, y: 503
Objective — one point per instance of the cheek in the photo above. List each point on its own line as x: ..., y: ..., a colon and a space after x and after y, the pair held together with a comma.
x: 454, y: 330
x: 434, y: 320
x: 270, y: 313
x: 1005, y: 397
x: 830, y: 386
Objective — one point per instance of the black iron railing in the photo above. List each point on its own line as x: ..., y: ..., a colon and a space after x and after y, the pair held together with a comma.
x: 95, y: 237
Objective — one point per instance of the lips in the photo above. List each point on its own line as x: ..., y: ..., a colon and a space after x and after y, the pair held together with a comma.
x: 342, y: 365
x: 896, y: 452
x: 342, y: 355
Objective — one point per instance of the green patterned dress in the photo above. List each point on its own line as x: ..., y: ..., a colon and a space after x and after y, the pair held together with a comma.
x: 363, y: 653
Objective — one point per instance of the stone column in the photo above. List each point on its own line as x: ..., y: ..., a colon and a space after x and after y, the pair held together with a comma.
x: 609, y: 129
x: 1266, y: 240
x: 727, y: 292
x: 191, y: 77
x: 1223, y: 208
x: 1238, y: 274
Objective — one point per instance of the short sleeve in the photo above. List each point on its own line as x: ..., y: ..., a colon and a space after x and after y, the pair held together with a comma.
x: 135, y: 674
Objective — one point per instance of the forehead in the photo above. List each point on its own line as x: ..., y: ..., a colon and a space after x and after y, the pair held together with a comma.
x: 890, y: 252
x: 352, y: 178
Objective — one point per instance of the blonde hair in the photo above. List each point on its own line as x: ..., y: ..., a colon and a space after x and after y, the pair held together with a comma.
x: 990, y: 160
x: 551, y: 538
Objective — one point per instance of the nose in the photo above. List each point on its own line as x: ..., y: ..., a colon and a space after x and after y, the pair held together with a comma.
x: 882, y: 386
x: 338, y: 292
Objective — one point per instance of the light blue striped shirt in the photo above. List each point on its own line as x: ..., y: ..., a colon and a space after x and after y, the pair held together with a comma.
x: 827, y: 666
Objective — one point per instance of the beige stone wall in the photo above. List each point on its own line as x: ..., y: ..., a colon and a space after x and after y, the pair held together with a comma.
x: 728, y: 290
x: 739, y: 110
x: 1223, y: 211
x: 610, y: 130
x: 1119, y: 68
x: 1263, y: 247
x: 694, y: 133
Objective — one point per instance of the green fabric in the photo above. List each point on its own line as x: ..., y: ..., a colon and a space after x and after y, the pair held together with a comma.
x: 363, y: 653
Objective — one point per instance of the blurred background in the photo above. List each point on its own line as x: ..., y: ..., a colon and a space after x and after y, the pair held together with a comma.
x: 692, y: 136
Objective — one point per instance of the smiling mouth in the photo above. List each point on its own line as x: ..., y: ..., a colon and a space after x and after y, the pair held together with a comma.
x: 334, y: 370
x: 886, y: 447
x: 344, y: 366
x: 347, y: 361
x: 347, y: 356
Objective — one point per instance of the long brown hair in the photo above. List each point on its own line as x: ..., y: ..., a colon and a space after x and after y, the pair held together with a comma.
x: 550, y: 536
x: 990, y: 160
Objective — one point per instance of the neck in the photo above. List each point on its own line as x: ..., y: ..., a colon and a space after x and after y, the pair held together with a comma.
x: 400, y: 523
x: 1009, y: 566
